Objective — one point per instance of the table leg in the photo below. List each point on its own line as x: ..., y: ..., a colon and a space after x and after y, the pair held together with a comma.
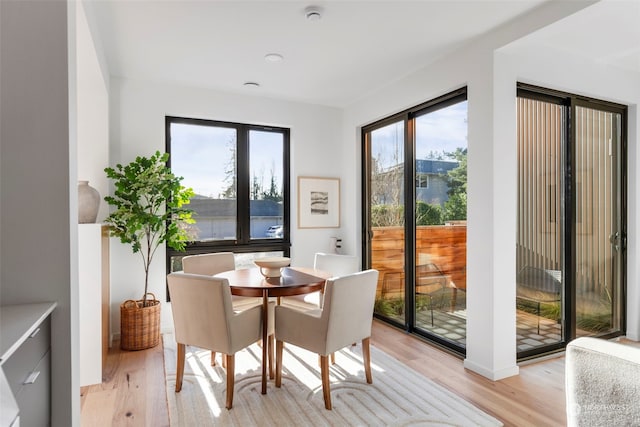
x: 265, y: 324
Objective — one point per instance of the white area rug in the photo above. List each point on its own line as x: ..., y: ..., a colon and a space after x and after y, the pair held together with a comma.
x: 399, y: 396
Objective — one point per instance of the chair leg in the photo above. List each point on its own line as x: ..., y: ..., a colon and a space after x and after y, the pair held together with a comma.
x: 270, y: 351
x: 231, y: 364
x: 224, y: 361
x: 332, y: 358
x: 279, y: 346
x: 213, y: 358
x: 366, y: 356
x: 180, y: 367
x: 326, y: 388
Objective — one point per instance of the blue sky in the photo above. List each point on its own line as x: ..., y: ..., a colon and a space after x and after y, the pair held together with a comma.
x: 441, y: 130
x: 202, y: 154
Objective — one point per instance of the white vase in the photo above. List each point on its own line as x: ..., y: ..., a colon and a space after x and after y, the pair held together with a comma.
x: 88, y: 203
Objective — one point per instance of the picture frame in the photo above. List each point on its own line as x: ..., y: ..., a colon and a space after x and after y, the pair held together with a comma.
x: 318, y: 202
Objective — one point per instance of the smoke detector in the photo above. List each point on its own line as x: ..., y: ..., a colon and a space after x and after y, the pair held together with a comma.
x: 313, y: 13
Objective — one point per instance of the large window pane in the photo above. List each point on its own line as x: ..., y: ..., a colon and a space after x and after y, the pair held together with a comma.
x: 598, y: 245
x: 387, y: 218
x: 540, y: 245
x: 205, y: 156
x: 441, y: 229
x: 266, y: 184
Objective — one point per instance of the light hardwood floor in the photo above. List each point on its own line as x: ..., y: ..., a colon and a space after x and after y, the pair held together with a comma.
x: 134, y: 394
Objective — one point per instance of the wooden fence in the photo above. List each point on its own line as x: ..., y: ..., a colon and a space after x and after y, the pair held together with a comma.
x: 444, y: 246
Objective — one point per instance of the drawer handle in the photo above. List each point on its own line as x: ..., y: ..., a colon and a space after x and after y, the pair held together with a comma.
x: 34, y: 333
x: 33, y: 376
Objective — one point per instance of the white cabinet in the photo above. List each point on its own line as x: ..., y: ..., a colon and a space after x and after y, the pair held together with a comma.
x: 25, y: 361
x: 93, y: 275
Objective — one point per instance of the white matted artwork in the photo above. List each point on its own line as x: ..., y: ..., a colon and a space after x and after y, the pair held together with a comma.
x: 318, y: 202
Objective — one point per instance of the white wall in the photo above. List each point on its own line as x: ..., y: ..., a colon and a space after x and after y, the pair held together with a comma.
x: 38, y: 240
x: 92, y: 156
x: 138, y: 111
x: 491, y: 82
x: 584, y: 77
x: 490, y: 323
x: 326, y: 142
x: 93, y: 112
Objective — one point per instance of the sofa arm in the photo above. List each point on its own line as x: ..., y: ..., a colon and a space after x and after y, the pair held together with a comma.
x: 602, y: 383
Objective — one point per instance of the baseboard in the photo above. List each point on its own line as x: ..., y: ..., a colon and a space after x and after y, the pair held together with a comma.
x: 492, y: 375
x: 116, y: 335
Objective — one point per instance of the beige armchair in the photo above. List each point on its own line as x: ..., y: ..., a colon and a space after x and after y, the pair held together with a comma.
x: 204, y: 316
x: 344, y: 318
x: 212, y: 264
x: 335, y: 264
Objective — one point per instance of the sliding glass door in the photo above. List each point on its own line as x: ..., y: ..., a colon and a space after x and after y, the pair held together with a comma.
x: 571, y: 220
x: 415, y: 217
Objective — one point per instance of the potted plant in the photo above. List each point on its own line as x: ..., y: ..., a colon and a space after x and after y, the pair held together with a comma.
x: 148, y: 201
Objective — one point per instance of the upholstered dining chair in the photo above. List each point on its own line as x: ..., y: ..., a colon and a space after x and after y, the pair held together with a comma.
x: 335, y: 264
x: 204, y: 316
x: 344, y: 318
x: 211, y: 264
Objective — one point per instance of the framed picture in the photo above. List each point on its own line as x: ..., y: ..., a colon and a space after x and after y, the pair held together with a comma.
x: 318, y: 202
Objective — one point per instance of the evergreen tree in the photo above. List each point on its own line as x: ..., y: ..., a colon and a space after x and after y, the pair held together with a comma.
x: 457, y: 177
x: 273, y: 193
x: 455, y: 208
x: 230, y: 173
x: 256, y: 188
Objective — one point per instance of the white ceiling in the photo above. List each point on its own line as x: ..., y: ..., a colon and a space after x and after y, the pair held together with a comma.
x: 357, y: 46
x: 607, y: 33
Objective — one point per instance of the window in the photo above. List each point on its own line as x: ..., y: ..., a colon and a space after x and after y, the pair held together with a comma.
x: 414, y: 214
x: 571, y: 219
x: 422, y: 181
x: 240, y: 176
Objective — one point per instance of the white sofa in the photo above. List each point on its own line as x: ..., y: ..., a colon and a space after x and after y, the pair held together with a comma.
x: 602, y: 383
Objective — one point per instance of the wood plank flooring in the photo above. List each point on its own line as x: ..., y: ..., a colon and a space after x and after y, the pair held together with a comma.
x: 134, y: 394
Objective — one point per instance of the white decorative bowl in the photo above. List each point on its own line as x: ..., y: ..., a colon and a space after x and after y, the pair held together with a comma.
x: 270, y: 267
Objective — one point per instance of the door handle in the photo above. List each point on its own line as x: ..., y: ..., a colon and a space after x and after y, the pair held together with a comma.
x: 614, y: 239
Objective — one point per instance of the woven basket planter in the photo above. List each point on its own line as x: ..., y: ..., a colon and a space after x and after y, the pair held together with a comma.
x: 140, y: 326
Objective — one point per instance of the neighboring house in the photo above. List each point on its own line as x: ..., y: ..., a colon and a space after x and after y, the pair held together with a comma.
x: 431, y: 182
x: 216, y: 218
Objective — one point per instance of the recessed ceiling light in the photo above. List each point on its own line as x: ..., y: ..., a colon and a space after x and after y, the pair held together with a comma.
x: 273, y: 57
x: 313, y: 13
x: 251, y: 84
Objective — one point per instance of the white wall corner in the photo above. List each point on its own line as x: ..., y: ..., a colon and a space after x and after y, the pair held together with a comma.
x: 492, y: 374
x: 633, y: 221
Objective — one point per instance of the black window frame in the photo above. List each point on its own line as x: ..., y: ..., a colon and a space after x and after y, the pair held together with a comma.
x: 408, y: 117
x: 243, y: 243
x: 571, y: 101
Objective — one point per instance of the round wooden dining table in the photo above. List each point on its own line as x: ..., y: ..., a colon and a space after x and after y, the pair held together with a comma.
x: 249, y: 282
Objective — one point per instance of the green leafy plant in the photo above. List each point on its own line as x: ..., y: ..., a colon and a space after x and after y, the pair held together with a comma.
x: 148, y: 201
x: 390, y: 307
